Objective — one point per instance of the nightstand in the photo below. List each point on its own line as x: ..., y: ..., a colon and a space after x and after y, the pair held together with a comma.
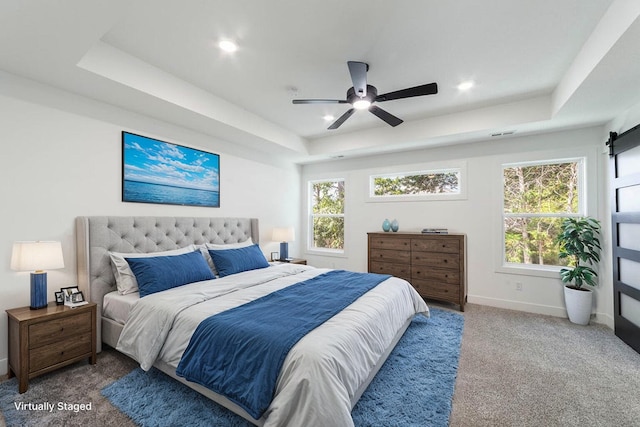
x: 44, y: 340
x: 298, y: 261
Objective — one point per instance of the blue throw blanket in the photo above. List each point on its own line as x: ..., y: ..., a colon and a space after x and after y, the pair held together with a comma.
x: 238, y: 353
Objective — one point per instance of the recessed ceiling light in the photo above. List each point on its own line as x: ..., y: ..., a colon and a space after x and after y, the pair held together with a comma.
x: 328, y: 117
x: 465, y: 85
x: 228, y: 46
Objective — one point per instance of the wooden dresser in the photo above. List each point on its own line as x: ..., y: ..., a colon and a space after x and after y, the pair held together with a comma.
x: 433, y: 263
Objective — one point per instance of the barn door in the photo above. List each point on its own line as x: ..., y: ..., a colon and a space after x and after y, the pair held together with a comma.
x: 624, y: 150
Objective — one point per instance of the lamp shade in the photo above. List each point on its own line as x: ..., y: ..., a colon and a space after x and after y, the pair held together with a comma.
x: 286, y: 234
x: 36, y: 256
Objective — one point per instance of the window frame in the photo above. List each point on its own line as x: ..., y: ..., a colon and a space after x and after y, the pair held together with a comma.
x: 545, y: 270
x: 310, y: 216
x: 425, y: 169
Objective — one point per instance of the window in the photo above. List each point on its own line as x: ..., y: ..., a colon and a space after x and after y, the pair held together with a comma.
x: 327, y: 215
x: 536, y: 198
x: 427, y: 184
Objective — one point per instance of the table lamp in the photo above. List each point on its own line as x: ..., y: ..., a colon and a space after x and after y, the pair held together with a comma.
x: 284, y: 236
x: 38, y: 256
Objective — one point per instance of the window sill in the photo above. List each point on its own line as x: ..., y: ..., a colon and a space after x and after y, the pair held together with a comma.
x: 326, y: 252
x: 548, y: 271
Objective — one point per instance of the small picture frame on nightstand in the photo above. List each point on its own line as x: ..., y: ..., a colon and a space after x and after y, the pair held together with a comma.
x: 275, y: 256
x: 77, y: 297
x: 68, y: 291
x: 59, y: 298
x: 73, y: 297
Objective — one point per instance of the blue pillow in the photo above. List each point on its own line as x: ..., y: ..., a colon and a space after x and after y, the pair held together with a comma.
x: 155, y: 274
x: 231, y: 261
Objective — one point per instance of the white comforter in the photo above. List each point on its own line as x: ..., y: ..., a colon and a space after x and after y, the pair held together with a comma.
x: 321, y: 373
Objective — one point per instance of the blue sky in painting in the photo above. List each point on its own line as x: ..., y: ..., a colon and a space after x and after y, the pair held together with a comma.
x: 156, y: 162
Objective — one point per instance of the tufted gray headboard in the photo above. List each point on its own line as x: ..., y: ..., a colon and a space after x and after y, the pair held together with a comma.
x: 96, y: 236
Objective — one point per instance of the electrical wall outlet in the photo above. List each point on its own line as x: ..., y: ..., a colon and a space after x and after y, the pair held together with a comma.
x: 518, y: 286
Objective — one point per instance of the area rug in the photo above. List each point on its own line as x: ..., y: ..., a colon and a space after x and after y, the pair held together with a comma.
x: 413, y: 388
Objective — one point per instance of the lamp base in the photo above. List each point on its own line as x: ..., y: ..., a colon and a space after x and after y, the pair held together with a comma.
x: 284, y: 251
x: 38, y: 290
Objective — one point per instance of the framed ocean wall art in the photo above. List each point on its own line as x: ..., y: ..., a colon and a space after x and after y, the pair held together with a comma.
x: 155, y: 171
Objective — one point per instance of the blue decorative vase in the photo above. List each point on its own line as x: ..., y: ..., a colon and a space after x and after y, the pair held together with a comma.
x: 394, y: 225
x: 386, y: 225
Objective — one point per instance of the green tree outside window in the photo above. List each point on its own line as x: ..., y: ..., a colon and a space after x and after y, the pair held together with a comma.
x: 418, y: 183
x: 327, y: 214
x: 537, y: 197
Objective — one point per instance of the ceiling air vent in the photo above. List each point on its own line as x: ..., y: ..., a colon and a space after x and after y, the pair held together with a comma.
x: 505, y: 133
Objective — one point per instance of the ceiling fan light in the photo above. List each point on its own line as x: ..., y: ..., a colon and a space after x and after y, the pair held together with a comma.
x: 228, y: 46
x: 361, y: 104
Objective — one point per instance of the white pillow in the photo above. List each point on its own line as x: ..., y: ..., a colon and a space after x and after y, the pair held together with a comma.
x: 216, y: 247
x: 125, y: 279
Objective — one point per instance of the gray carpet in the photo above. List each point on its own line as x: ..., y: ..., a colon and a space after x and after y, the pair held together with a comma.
x: 516, y: 369
x: 521, y: 369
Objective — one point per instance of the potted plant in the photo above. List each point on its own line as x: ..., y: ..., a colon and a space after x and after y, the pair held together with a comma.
x: 579, y: 242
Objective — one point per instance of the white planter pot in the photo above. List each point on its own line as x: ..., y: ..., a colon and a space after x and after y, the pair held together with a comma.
x: 578, y: 303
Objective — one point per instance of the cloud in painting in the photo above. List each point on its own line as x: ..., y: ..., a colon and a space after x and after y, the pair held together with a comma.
x: 155, y: 162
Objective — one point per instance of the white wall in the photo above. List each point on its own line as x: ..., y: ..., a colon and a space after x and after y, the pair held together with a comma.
x: 58, y: 164
x: 478, y: 216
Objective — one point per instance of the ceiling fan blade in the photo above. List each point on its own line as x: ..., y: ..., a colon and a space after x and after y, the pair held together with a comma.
x: 320, y: 101
x: 358, y: 71
x: 428, y: 89
x: 387, y: 117
x: 342, y: 119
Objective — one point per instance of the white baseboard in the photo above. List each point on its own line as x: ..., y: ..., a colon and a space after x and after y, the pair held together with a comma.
x: 4, y: 366
x: 518, y: 305
x: 548, y: 310
x: 605, y: 319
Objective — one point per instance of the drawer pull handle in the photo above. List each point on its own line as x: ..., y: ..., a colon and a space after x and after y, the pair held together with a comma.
x: 445, y: 261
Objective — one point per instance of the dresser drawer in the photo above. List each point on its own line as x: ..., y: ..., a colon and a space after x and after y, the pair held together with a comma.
x: 436, y: 245
x: 402, y: 271
x: 388, y: 255
x: 56, y: 330
x: 384, y: 242
x: 432, y: 259
x: 439, y: 291
x: 61, y: 351
x: 433, y: 275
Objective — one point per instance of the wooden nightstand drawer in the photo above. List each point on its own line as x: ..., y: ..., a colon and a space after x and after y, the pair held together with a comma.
x: 56, y: 330
x: 61, y: 351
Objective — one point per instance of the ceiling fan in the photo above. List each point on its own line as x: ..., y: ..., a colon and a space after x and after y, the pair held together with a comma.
x: 362, y: 96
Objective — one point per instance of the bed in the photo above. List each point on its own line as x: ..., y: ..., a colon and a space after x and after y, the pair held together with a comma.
x: 324, y: 374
